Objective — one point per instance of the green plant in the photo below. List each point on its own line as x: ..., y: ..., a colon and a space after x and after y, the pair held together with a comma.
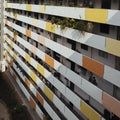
x: 15, y: 15
x: 54, y: 20
x: 20, y: 1
x: 15, y: 33
x: 80, y: 25
x: 64, y: 23
x: 70, y: 22
x: 8, y: 10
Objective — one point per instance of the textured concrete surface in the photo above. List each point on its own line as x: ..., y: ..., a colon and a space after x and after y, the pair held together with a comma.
x: 4, y: 115
x: 21, y: 96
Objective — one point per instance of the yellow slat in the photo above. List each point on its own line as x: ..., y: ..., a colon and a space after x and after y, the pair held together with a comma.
x: 27, y: 57
x: 89, y: 112
x: 113, y: 46
x: 48, y: 93
x: 50, y: 27
x: 96, y: 15
x: 33, y: 76
x: 40, y: 69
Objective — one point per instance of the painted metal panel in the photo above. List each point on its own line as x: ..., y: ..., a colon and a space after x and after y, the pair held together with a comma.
x: 41, y: 55
x: 95, y: 41
x: 66, y: 52
x: 92, y: 90
x: 71, y: 12
x: 41, y: 39
x: 28, y: 33
x: 28, y: 7
x: 93, y: 65
x: 27, y: 57
x: 64, y: 110
x: 33, y: 62
x: 60, y: 86
x: 11, y: 44
x: 10, y: 5
x: 42, y: 24
x: 89, y: 112
x: 70, y: 115
x: 55, y: 116
x: 55, y: 80
x: 50, y: 27
x: 20, y: 73
x: 27, y: 82
x: 73, y: 98
x: 40, y: 69
x: 33, y: 89
x: 59, y: 48
x: 22, y: 6
x: 59, y: 104
x: 40, y: 98
x: 34, y: 22
x: 73, y: 77
x: 110, y: 16
x: 25, y: 18
x: 111, y: 104
x: 113, y: 46
x: 32, y: 102
x: 33, y: 76
x: 24, y: 90
x: 48, y: 93
x: 42, y: 9
x: 34, y: 8
x: 88, y: 38
x: 48, y: 74
x: 33, y: 49
x: 76, y: 57
x: 39, y: 112
x: 49, y: 60
x: 34, y: 35
x: 95, y: 15
x: 19, y: 28
x: 24, y: 66
x: 17, y: 48
x: 112, y: 75
x: 114, y: 17
x: 60, y: 68
x: 48, y: 109
x: 40, y: 83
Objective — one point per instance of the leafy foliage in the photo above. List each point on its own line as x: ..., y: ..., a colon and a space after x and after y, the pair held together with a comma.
x: 69, y: 22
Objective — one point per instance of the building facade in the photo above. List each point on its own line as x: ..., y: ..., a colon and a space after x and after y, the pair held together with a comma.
x: 65, y: 56
x: 2, y: 62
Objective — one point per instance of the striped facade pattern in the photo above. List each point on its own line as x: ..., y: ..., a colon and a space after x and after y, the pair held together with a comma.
x: 35, y: 80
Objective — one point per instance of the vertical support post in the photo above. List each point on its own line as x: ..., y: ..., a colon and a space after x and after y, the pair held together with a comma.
x: 2, y: 62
